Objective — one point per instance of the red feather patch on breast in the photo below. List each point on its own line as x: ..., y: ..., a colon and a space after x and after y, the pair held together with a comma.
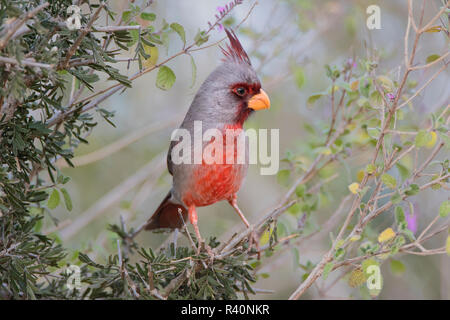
x: 217, y: 181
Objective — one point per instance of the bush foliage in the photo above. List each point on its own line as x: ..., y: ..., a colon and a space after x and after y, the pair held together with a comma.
x: 48, y: 98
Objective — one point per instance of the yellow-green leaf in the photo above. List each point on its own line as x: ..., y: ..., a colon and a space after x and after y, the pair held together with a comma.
x: 149, y: 16
x: 434, y: 29
x: 354, y: 187
x: 264, y: 238
x: 433, y: 140
x: 67, y: 199
x: 327, y: 270
x: 432, y: 58
x: 299, y: 75
x: 397, y: 267
x: 53, y: 200
x: 370, y: 168
x: 165, y: 78
x: 444, y: 209
x: 194, y: 71
x: 386, y: 235
x: 152, y: 51
x: 283, y: 177
x: 423, y: 138
x: 178, y: 28
x: 360, y: 175
x: 389, y: 180
x: 357, y: 278
x: 312, y: 99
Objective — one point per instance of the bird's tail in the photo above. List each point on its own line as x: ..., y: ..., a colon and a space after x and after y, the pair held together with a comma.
x: 167, y: 216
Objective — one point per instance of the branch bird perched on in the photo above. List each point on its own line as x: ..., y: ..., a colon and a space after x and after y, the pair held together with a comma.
x: 224, y: 101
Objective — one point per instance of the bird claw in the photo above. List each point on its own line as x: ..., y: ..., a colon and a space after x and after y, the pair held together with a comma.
x: 203, y: 246
x: 253, y: 241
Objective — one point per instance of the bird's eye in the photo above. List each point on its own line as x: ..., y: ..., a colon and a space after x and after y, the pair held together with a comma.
x: 240, y: 91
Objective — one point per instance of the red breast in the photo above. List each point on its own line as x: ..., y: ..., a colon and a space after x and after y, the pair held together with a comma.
x: 216, y: 182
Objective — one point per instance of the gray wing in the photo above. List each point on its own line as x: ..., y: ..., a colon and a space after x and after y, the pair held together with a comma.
x: 169, y: 157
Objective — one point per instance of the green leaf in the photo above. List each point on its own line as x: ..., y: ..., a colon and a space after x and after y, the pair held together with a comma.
x: 294, y: 209
x: 53, y: 200
x: 200, y: 38
x: 422, y: 138
x: 396, y: 198
x: 283, y: 177
x: 300, y: 190
x: 397, y: 267
x: 134, y: 34
x: 412, y: 190
x: 178, y: 28
x: 389, y: 180
x: 194, y: 71
x: 126, y: 16
x: 340, y: 252
x: 67, y: 199
x: 432, y: 58
x: 357, y: 278
x: 312, y: 99
x: 371, y: 168
x: 299, y: 75
x: 326, y: 270
x: 444, y: 209
x: 399, y: 214
x: 165, y: 78
x: 364, y: 86
x: 367, y: 263
x: 85, y: 258
x: 148, y: 16
x: 376, y: 99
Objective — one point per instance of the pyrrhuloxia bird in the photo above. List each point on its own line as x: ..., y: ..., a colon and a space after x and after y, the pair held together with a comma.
x: 224, y: 101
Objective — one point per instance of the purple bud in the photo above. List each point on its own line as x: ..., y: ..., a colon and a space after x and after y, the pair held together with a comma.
x: 221, y: 9
x: 411, y: 219
x: 412, y: 222
x: 391, y: 96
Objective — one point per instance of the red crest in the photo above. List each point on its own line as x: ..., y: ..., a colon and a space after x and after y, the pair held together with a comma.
x: 234, y: 50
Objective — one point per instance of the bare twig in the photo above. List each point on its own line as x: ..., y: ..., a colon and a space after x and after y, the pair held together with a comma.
x: 26, y: 62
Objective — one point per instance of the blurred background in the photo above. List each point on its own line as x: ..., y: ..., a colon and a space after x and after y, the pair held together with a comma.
x: 289, y: 42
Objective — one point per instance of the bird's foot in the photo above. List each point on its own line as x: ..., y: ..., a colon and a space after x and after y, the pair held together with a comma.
x: 253, y: 242
x: 203, y: 246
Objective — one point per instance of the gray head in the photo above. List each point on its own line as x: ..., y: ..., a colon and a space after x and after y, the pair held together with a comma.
x: 231, y: 92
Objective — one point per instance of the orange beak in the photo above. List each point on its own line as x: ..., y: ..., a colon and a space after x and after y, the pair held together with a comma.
x: 259, y: 101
